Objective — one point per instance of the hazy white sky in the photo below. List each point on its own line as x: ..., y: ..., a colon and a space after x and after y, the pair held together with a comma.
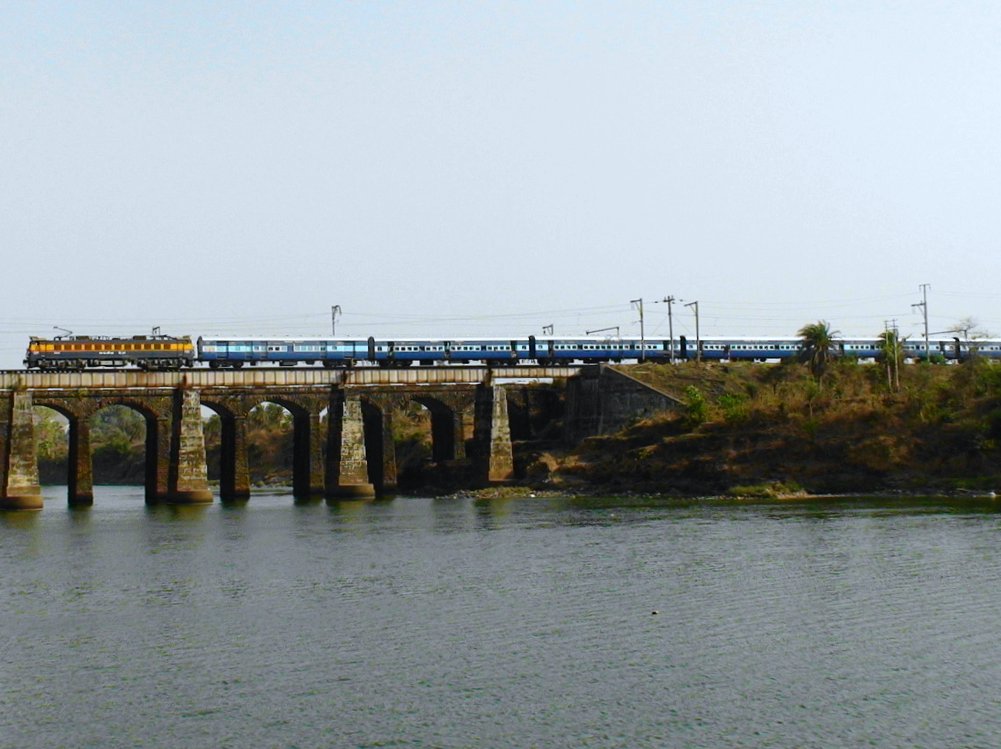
x: 447, y: 168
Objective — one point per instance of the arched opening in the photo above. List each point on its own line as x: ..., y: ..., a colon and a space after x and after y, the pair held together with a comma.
x: 274, y: 445
x: 429, y: 442
x: 271, y: 446
x: 52, y: 439
x: 212, y: 429
x: 535, y: 413
x: 116, y: 445
x: 414, y: 445
x: 119, y: 446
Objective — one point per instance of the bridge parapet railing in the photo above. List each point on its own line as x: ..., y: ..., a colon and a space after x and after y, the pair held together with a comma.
x: 274, y: 377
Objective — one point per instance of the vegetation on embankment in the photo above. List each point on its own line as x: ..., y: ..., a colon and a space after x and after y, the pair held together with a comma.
x: 775, y: 429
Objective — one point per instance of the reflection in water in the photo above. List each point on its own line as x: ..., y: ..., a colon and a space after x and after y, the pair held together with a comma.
x: 351, y: 510
x: 237, y: 503
x: 20, y: 519
x: 180, y: 512
x: 490, y: 511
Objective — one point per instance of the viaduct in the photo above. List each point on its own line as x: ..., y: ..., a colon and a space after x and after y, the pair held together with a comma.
x: 470, y: 425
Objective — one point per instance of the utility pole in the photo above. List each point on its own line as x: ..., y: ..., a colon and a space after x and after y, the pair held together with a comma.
x: 923, y: 304
x: 335, y: 312
x: 639, y: 303
x: 698, y: 338
x: 670, y: 323
x: 892, y: 334
x: 898, y: 352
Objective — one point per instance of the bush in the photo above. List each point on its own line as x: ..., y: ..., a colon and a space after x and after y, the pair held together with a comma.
x: 696, y: 407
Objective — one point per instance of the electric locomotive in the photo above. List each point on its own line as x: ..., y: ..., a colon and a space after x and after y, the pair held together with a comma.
x: 75, y: 353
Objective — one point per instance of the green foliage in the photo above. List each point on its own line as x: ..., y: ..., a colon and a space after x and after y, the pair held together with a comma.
x: 118, y: 443
x: 270, y: 431
x: 50, y: 435
x: 817, y: 341
x: 988, y: 377
x: 269, y: 416
x: 695, y: 405
x: 733, y: 406
x: 117, y: 421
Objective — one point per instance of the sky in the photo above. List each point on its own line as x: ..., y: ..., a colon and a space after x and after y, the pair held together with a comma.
x: 456, y: 168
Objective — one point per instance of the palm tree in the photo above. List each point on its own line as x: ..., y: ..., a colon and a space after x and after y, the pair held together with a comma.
x: 891, y: 347
x: 817, y: 345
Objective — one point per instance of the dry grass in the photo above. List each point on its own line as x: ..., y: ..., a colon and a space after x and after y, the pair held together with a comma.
x: 775, y: 425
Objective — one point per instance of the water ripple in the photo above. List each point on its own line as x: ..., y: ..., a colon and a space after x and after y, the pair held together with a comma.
x: 549, y: 623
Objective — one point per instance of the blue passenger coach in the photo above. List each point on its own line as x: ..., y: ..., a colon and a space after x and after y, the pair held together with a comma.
x: 499, y: 351
x: 233, y: 352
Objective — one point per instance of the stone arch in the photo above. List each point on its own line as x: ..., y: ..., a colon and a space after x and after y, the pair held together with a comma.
x: 307, y: 440
x: 446, y: 433
x: 451, y: 415
x: 158, y: 423
x: 156, y: 412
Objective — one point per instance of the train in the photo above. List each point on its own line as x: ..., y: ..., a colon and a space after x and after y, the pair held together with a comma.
x: 163, y: 353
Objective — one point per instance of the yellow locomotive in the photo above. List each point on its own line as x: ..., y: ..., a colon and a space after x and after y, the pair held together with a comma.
x: 74, y: 353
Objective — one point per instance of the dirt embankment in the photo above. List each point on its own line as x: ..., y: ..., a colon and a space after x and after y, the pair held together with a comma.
x: 777, y: 429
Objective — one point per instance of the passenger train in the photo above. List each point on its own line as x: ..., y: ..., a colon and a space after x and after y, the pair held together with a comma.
x: 161, y: 352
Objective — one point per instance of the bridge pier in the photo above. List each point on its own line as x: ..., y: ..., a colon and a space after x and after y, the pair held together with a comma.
x: 381, y: 439
x: 189, y: 482
x: 158, y: 452
x: 493, y: 434
x: 81, y: 468
x: 19, y: 488
x: 347, y: 464
x: 234, y: 471
x: 307, y: 451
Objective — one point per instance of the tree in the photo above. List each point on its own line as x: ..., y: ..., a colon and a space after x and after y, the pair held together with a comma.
x: 970, y: 329
x: 50, y: 435
x: 891, y: 349
x: 817, y: 341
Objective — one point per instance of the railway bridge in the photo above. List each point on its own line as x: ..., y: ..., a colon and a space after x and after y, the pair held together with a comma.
x: 468, y: 408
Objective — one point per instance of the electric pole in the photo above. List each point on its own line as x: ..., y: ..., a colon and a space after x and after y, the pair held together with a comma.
x: 698, y: 338
x: 670, y: 323
x: 335, y: 312
x: 639, y: 303
x: 923, y: 304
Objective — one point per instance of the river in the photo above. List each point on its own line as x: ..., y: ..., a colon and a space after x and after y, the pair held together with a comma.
x: 416, y: 622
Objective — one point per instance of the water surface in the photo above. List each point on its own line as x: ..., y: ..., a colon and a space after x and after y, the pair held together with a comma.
x: 529, y: 622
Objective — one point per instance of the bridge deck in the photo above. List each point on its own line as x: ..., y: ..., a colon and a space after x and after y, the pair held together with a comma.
x: 274, y: 377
